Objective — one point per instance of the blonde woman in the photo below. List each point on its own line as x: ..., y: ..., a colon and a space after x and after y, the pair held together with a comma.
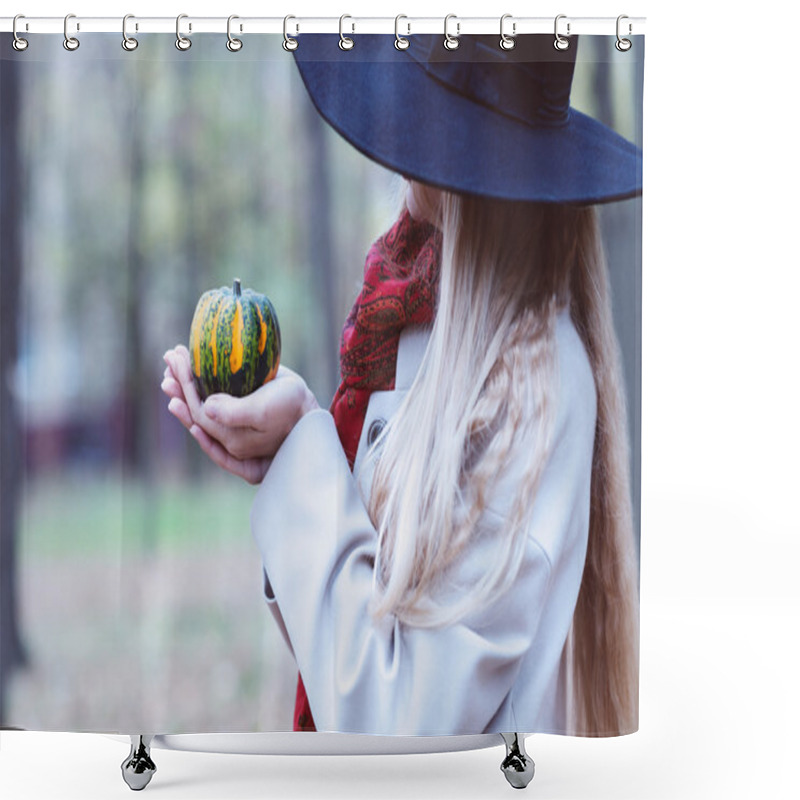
x: 450, y: 548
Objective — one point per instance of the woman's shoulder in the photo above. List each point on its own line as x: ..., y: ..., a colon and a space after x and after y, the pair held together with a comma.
x: 576, y: 400
x: 562, y: 495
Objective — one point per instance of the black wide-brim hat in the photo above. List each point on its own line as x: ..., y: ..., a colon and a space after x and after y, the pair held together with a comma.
x: 478, y: 119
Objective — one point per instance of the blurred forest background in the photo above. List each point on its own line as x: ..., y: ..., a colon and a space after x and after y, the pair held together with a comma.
x: 130, y: 588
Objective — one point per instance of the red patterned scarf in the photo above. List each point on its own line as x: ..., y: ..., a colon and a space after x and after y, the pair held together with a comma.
x: 401, y: 278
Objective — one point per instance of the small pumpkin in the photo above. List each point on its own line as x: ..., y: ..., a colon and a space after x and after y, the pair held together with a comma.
x: 234, y: 342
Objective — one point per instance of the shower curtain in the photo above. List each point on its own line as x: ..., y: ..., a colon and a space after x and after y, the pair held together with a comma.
x: 144, y: 585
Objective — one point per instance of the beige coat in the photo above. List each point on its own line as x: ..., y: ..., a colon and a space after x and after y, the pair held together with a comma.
x: 497, y: 670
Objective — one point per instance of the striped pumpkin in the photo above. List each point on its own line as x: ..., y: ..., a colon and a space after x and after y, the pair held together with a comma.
x: 235, y: 341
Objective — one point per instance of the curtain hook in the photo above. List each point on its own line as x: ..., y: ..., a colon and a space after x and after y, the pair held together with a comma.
x: 345, y: 42
x: 128, y: 42
x: 70, y: 42
x: 507, y: 42
x: 288, y: 42
x: 561, y: 43
x: 233, y: 44
x: 181, y: 42
x: 451, y: 42
x: 19, y: 44
x: 400, y: 42
x: 623, y: 45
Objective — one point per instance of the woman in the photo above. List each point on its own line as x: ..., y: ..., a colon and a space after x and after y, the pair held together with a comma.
x: 476, y: 571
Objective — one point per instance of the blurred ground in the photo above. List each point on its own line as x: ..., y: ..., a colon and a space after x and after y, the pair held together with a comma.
x: 172, y: 634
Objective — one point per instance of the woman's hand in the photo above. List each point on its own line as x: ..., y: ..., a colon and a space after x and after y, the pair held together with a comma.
x: 239, y: 434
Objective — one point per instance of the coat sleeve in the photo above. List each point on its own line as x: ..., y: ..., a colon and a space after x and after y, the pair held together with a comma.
x: 318, y: 548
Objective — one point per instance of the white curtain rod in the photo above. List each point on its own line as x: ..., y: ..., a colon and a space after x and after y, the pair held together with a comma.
x: 350, y: 25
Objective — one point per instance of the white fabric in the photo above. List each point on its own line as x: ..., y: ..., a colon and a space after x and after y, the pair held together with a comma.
x: 498, y: 670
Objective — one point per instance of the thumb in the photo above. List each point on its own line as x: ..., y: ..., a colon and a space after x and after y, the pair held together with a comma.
x: 230, y: 411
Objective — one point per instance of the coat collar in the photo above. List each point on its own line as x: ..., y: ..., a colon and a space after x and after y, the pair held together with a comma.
x: 410, y: 350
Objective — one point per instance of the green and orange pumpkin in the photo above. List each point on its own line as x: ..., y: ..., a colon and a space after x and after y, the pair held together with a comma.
x: 235, y: 341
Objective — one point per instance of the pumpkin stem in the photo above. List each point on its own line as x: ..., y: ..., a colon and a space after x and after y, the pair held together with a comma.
x: 237, y: 287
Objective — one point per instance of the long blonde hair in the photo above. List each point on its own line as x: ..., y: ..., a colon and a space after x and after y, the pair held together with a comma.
x: 487, y: 383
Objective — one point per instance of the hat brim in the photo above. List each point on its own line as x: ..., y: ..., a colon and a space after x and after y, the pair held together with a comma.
x: 389, y: 108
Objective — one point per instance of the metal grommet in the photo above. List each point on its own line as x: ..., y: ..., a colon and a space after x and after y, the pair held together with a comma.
x: 181, y: 41
x: 451, y: 42
x: 70, y: 42
x: 233, y: 44
x: 288, y: 42
x: 375, y: 429
x: 400, y: 42
x: 128, y: 42
x: 19, y: 44
x: 345, y: 42
x: 507, y: 42
x: 623, y: 45
x: 561, y: 43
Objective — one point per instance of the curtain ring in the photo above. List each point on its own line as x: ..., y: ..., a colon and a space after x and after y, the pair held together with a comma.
x: 507, y: 42
x: 19, y: 44
x: 400, y: 42
x: 70, y: 42
x: 288, y: 42
x: 451, y: 42
x: 182, y: 42
x: 623, y: 45
x: 561, y: 43
x: 233, y: 44
x: 128, y: 42
x: 345, y: 42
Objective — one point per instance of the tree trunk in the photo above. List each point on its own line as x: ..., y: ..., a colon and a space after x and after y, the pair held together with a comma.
x: 320, y: 241
x: 196, y: 278
x: 12, y: 651
x: 137, y: 440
